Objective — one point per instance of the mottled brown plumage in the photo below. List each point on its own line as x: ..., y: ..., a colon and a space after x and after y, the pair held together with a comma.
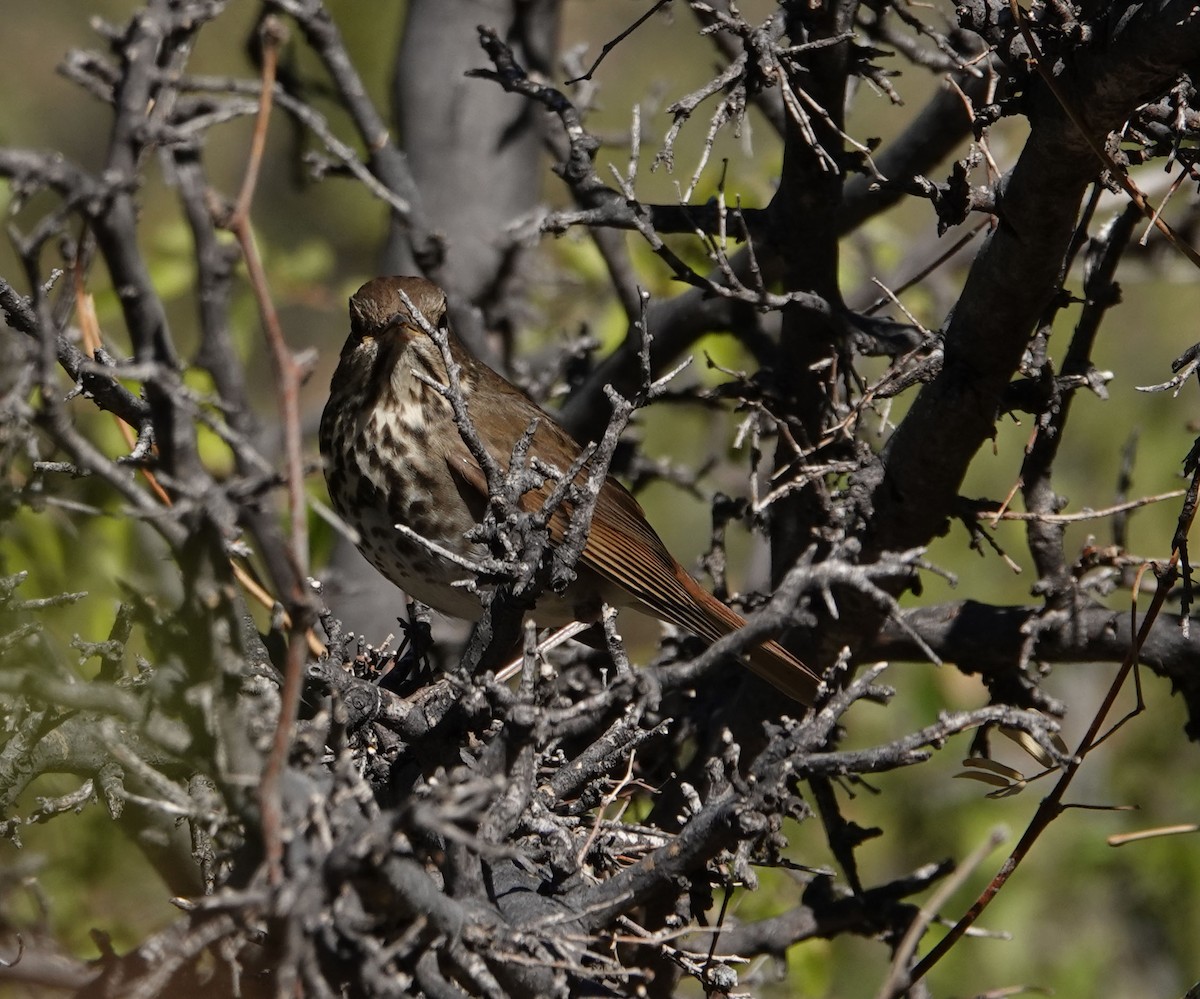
x: 393, y: 455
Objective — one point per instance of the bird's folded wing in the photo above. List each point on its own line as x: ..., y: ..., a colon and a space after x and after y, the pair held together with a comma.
x: 624, y: 549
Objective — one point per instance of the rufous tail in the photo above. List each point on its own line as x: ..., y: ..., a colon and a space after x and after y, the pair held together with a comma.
x: 771, y: 661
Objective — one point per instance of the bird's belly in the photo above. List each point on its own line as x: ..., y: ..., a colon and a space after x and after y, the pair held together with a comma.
x: 422, y: 574
x: 415, y: 489
x: 374, y: 494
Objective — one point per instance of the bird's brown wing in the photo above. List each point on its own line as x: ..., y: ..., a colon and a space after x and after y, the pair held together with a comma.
x: 625, y: 549
x: 622, y: 547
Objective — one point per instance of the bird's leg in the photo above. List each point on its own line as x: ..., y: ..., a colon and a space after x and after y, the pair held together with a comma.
x: 411, y: 666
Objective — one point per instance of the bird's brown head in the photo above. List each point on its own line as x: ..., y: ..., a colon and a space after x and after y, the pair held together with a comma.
x: 379, y: 306
x: 383, y: 321
x: 385, y: 332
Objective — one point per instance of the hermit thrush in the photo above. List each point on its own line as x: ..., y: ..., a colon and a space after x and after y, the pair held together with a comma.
x: 394, y: 455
